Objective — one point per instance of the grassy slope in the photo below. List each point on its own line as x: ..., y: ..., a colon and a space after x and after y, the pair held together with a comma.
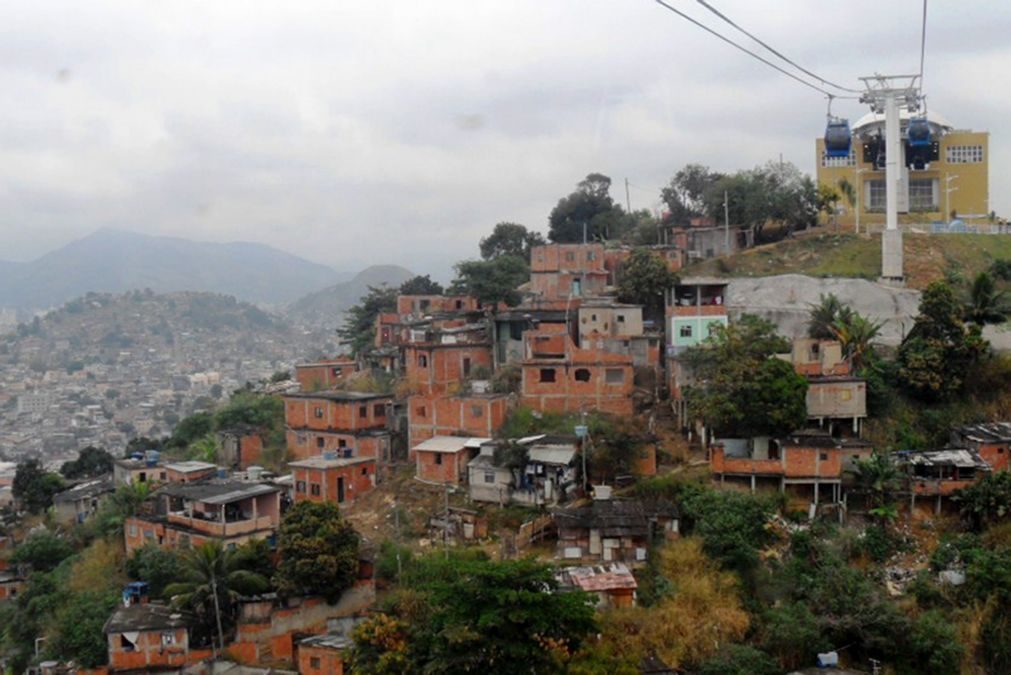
x: 821, y: 254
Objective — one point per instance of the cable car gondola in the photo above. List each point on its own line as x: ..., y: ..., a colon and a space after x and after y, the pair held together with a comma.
x: 838, y: 138
x: 918, y: 133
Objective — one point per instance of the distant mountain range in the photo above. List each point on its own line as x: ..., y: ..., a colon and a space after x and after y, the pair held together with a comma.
x: 115, y: 261
x: 325, y: 309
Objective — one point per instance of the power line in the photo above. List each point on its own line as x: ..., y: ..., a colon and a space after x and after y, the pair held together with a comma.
x: 923, y: 42
x: 749, y: 52
x: 776, y: 52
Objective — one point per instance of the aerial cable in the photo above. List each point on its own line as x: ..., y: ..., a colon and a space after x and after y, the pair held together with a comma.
x: 923, y: 42
x: 749, y: 52
x: 780, y: 55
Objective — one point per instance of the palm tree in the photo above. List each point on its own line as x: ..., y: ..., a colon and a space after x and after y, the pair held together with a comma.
x: 856, y: 335
x: 986, y: 303
x: 211, y: 583
x: 878, y: 475
x: 824, y: 315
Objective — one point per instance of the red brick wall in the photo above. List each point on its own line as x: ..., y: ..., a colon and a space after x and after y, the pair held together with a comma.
x: 435, y: 304
x: 996, y: 455
x: 361, y: 446
x: 451, y: 470
x: 574, y: 257
x: 359, y: 479
x: 443, y: 368
x: 330, y: 661
x: 301, y: 413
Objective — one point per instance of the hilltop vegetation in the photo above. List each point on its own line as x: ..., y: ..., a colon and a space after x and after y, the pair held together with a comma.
x: 822, y: 254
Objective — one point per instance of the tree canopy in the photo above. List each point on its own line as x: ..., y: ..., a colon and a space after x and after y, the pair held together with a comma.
x: 90, y: 462
x: 421, y: 285
x: 590, y: 205
x: 359, y: 329
x: 318, y: 551
x: 492, y: 281
x: 685, y: 194
x: 510, y: 239
x: 741, y: 389
x: 777, y: 192
x: 939, y: 350
x: 34, y: 487
x: 645, y: 279
x: 470, y: 614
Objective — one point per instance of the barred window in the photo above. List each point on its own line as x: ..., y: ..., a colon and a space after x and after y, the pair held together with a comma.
x: 875, y: 191
x: 922, y: 194
x: 839, y: 162
x: 963, y: 154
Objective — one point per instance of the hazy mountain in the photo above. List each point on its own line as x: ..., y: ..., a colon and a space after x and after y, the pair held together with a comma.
x: 325, y: 308
x: 116, y: 261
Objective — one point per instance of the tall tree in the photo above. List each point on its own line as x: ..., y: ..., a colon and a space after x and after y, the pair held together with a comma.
x: 856, y: 334
x: 823, y: 317
x: 510, y: 239
x: 775, y: 193
x: 318, y: 551
x: 645, y: 279
x: 421, y: 285
x: 211, y: 585
x: 590, y: 206
x: 492, y: 281
x: 685, y: 193
x: 34, y: 487
x: 940, y: 348
x: 741, y: 389
x: 359, y: 329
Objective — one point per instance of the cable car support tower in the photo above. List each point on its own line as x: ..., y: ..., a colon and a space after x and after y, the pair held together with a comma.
x: 888, y: 94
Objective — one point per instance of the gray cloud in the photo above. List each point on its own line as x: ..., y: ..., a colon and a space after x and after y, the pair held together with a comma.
x: 360, y: 132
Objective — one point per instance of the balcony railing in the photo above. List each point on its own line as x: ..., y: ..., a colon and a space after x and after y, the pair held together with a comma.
x: 217, y: 528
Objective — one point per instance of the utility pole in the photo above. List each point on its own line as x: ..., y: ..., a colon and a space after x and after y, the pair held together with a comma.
x: 856, y: 177
x: 217, y: 612
x: 445, y: 522
x: 726, y: 223
x: 628, y: 200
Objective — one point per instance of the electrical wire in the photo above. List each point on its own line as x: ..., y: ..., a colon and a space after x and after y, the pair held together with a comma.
x: 923, y: 42
x: 750, y: 53
x: 778, y: 53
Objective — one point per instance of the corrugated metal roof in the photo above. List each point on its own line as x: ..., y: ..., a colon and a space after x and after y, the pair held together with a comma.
x: 451, y: 444
x: 552, y: 454
x: 966, y: 459
x: 593, y: 578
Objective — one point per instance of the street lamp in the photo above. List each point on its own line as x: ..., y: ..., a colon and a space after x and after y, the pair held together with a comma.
x: 856, y: 179
x: 947, y: 196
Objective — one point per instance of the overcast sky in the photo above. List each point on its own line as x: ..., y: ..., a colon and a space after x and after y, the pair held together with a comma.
x: 354, y: 133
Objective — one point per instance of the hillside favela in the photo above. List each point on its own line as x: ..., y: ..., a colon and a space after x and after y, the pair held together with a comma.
x: 656, y: 337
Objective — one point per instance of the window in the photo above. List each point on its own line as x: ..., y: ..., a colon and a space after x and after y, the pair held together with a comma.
x: 875, y: 191
x: 711, y: 328
x: 363, y: 411
x: 963, y: 154
x: 824, y: 456
x: 126, y: 645
x: 466, y: 366
x: 314, y: 662
x: 489, y: 476
x: 459, y: 304
x: 593, y: 317
x: 379, y: 410
x: 923, y: 194
x: 422, y: 361
x: 547, y: 374
x: 570, y: 256
x: 582, y: 375
x: 314, y: 489
x: 614, y: 376
x: 300, y: 486
x: 336, y: 372
x: 342, y: 443
x: 476, y: 411
x: 591, y: 255
x: 365, y: 471
x: 425, y: 304
x: 836, y: 162
x: 438, y: 458
x: 319, y: 441
x: 845, y: 395
x: 620, y: 318
x: 318, y: 412
x: 421, y: 411
x: 685, y: 331
x: 131, y: 530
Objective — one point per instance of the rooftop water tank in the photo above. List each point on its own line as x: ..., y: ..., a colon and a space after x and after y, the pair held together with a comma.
x: 254, y: 472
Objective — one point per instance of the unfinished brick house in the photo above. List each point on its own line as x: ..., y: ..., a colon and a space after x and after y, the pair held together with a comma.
x: 229, y: 511
x: 992, y: 441
x: 351, y: 423
x: 471, y: 414
x: 330, y: 478
x: 809, y: 464
x: 619, y: 328
x: 939, y: 473
x: 240, y: 447
x: 146, y: 637
x: 512, y: 323
x: 189, y: 471
x: 444, y: 459
x: 561, y: 271
x: 324, y: 374
x: 437, y: 361
x: 417, y: 306
x: 560, y: 377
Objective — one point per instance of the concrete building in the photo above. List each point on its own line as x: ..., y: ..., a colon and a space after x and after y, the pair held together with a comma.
x: 956, y: 183
x: 470, y: 414
x: 548, y: 477
x: 351, y: 423
x: 940, y: 473
x: 148, y: 637
x: 83, y: 500
x: 565, y: 271
x: 992, y: 441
